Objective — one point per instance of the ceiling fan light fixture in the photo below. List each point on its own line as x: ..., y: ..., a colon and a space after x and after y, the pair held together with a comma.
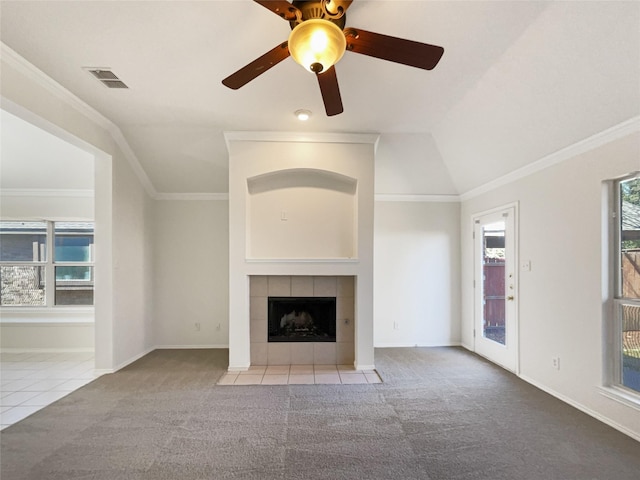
x: 317, y: 44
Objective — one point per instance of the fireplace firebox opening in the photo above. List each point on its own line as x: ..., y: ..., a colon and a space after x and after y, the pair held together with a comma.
x: 302, y: 319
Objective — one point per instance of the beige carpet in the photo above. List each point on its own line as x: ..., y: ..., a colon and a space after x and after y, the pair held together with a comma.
x: 441, y: 413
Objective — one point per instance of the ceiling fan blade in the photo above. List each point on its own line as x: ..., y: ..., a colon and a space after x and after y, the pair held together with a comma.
x: 330, y: 90
x: 393, y: 49
x: 257, y: 67
x: 282, y: 8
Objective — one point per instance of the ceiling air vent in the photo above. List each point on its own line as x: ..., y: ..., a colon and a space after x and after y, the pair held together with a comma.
x: 106, y: 77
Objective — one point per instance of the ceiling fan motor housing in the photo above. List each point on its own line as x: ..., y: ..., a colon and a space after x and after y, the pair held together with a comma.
x: 316, y: 9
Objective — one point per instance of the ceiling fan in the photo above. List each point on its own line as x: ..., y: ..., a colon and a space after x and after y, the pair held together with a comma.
x: 318, y: 40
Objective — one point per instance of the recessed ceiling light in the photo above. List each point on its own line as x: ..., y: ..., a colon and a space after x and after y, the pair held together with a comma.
x: 302, y: 115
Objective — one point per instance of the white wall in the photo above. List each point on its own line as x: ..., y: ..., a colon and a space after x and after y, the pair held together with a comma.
x: 47, y: 336
x: 416, y: 274
x: 132, y: 267
x: 48, y: 205
x: 191, y: 273
x: 416, y: 245
x: 122, y: 303
x: 560, y: 299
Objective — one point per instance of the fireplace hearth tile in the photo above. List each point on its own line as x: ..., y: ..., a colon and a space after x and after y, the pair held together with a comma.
x: 254, y: 370
x: 301, y: 370
x: 228, y: 379
x: 303, y: 379
x: 373, y: 377
x: 325, y: 369
x: 275, y: 379
x: 327, y: 378
x: 277, y: 370
x: 347, y: 368
x: 300, y: 375
x: 352, y: 378
x: 248, y: 380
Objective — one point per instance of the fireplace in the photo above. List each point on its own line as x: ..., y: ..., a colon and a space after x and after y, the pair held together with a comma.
x: 301, y: 210
x: 302, y: 319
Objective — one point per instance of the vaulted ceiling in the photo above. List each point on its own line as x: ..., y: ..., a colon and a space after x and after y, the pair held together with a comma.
x: 518, y: 80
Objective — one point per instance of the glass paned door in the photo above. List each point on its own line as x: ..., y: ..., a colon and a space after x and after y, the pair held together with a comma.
x: 495, y: 287
x: 493, y: 282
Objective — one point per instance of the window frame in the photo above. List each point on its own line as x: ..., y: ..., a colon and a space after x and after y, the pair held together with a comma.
x: 613, y: 378
x: 50, y: 265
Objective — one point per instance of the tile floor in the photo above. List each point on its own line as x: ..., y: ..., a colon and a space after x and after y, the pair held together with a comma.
x: 31, y: 381
x: 300, y: 375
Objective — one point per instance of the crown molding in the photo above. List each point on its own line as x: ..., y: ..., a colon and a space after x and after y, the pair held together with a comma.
x: 590, y: 143
x: 387, y: 197
x: 301, y: 137
x: 15, y: 60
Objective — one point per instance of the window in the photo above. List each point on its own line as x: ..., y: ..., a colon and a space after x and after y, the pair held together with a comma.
x: 627, y: 292
x: 32, y: 277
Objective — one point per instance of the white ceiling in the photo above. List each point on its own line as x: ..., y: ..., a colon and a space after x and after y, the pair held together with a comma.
x: 518, y: 80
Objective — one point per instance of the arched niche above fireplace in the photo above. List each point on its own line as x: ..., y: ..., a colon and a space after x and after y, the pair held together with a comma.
x: 302, y: 213
x: 301, y: 177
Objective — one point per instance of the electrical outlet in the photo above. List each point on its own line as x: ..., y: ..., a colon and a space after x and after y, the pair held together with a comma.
x: 556, y: 362
x: 219, y: 327
x: 197, y: 326
x: 396, y: 326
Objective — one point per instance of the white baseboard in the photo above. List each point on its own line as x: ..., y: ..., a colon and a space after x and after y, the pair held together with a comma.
x: 582, y: 408
x: 102, y: 371
x: 131, y: 360
x: 575, y: 404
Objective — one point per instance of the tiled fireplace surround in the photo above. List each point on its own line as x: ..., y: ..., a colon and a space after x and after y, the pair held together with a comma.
x: 340, y: 352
